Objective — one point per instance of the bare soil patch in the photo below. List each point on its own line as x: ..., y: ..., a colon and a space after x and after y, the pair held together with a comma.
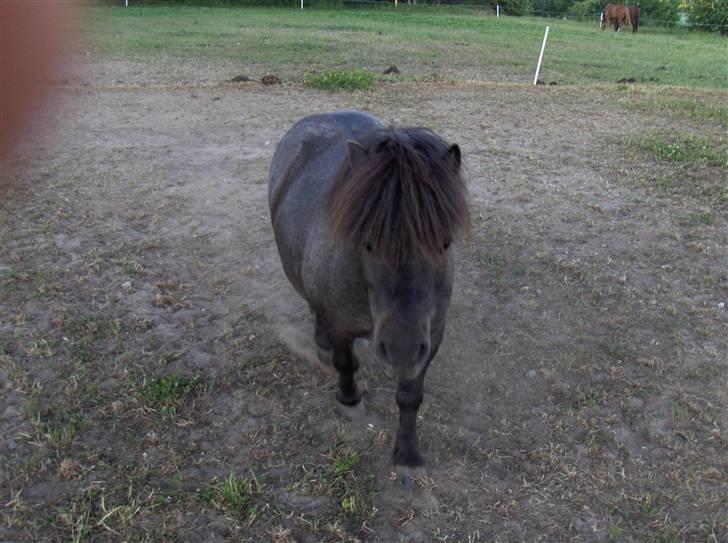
x: 580, y: 393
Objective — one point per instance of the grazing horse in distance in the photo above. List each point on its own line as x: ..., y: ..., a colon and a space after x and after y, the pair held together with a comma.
x: 363, y: 217
x: 634, y: 15
x: 616, y: 16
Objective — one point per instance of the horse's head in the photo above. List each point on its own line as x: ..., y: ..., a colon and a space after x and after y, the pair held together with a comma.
x: 408, y: 303
x: 402, y: 200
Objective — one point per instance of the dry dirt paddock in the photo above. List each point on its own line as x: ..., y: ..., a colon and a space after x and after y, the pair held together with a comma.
x: 148, y: 394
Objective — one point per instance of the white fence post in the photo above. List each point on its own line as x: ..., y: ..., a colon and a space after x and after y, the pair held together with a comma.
x: 540, y: 57
x: 497, y: 10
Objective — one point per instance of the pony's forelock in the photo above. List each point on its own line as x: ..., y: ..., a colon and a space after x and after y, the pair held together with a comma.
x: 404, y: 196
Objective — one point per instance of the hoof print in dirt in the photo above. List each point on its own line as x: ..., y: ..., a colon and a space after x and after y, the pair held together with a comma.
x: 392, y: 70
x: 270, y: 80
x: 239, y: 79
x: 354, y: 412
x: 540, y: 82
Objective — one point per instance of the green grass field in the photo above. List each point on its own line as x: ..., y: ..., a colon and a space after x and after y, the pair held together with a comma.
x: 424, y: 43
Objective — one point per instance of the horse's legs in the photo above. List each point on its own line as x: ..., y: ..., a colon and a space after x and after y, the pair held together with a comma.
x: 346, y: 364
x: 409, y: 398
x: 323, y: 343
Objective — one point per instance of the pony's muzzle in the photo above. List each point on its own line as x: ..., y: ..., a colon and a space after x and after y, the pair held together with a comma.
x: 406, y: 357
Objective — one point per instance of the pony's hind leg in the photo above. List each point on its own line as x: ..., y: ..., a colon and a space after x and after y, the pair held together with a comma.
x: 324, y: 348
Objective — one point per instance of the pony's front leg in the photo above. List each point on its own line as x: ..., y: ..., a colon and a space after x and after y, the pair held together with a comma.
x: 349, y: 396
x: 409, y: 398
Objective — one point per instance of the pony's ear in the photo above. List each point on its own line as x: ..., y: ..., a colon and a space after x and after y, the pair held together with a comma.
x: 453, y: 155
x: 357, y: 155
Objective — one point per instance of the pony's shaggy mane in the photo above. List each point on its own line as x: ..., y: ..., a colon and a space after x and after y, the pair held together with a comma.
x: 403, y: 197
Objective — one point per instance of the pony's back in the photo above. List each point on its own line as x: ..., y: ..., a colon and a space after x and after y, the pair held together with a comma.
x: 303, y: 171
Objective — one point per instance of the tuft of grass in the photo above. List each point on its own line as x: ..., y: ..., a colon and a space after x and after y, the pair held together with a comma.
x: 615, y: 532
x: 55, y: 426
x: 342, y: 80
x: 614, y: 349
x: 132, y: 267
x: 699, y: 218
x: 166, y: 394
x: 590, y: 398
x: 234, y: 495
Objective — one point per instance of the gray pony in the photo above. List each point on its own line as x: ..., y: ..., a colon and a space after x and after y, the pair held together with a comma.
x: 364, y: 217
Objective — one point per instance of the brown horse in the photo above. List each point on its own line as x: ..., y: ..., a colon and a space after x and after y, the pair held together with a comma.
x: 616, y: 16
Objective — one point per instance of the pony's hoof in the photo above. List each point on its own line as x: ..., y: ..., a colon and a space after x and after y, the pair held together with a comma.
x: 409, y: 474
x: 355, y: 412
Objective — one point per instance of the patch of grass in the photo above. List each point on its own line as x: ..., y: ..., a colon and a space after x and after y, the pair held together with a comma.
x: 631, y: 513
x: 338, y: 479
x: 166, y: 394
x: 234, y: 495
x: 688, y: 108
x: 683, y: 162
x: 648, y: 505
x: 698, y: 218
x: 615, y: 532
x: 590, y: 398
x: 90, y: 329
x: 56, y: 427
x: 712, y: 191
x: 94, y: 513
x: 292, y: 42
x: 342, y: 80
x: 681, y: 412
x: 132, y: 267
x: 614, y: 349
x: 79, y: 515
x: 703, y: 151
x: 495, y: 266
x: 83, y: 336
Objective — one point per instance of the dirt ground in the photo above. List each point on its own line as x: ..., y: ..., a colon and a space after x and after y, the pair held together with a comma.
x: 148, y: 394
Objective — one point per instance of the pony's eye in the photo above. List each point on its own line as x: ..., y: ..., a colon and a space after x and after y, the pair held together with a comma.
x: 368, y: 247
x: 446, y: 246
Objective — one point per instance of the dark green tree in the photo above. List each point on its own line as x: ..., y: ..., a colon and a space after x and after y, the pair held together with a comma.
x: 551, y: 8
x: 657, y: 12
x: 511, y: 7
x: 709, y: 15
x: 586, y: 9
